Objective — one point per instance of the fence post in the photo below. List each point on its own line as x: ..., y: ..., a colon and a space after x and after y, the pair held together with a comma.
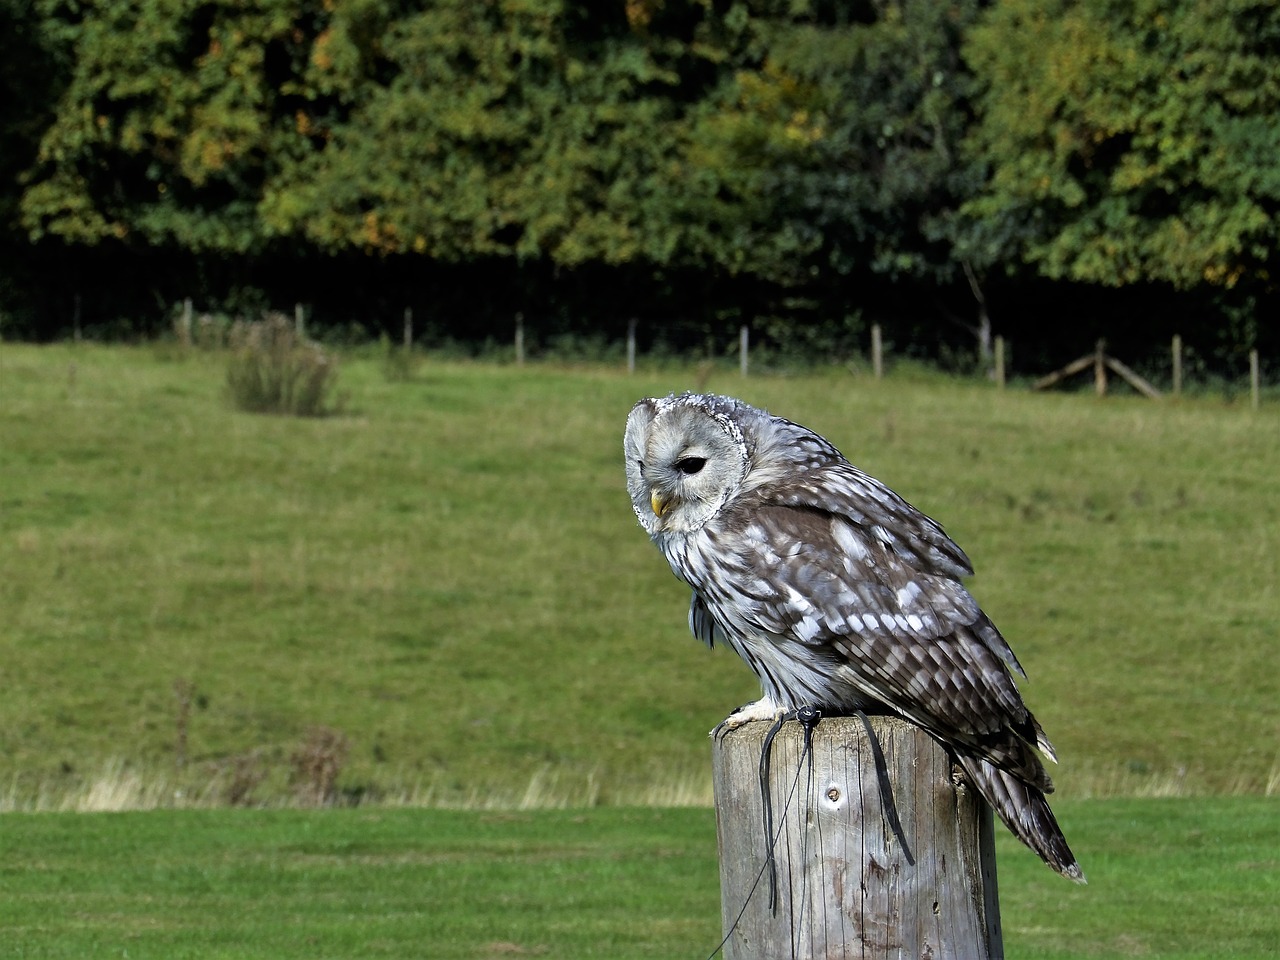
x: 1255, y: 381
x: 1000, y: 362
x: 631, y: 345
x: 408, y: 329
x: 877, y: 352
x: 1177, y: 364
x: 520, y: 339
x: 846, y: 885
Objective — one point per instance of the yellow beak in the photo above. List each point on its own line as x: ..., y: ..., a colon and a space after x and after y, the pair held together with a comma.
x: 659, y: 505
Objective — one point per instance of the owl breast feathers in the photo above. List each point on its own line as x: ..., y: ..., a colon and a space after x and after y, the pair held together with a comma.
x: 836, y: 592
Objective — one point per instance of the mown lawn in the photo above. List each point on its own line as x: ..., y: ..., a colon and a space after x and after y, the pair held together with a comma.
x: 449, y: 577
x: 1170, y: 878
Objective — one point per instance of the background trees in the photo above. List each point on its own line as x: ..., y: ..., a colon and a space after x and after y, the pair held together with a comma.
x: 1130, y: 144
x: 799, y: 165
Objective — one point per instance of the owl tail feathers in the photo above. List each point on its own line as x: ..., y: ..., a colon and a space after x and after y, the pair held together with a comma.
x: 1026, y: 813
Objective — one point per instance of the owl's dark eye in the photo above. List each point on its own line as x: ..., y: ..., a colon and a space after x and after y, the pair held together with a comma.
x: 690, y: 465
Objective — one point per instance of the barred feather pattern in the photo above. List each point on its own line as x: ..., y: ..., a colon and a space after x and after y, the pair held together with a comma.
x: 836, y: 592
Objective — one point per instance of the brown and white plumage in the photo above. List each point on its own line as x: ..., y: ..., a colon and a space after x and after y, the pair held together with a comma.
x: 836, y: 592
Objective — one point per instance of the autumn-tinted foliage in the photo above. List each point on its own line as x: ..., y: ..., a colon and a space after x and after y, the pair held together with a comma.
x: 1131, y: 142
x: 799, y: 166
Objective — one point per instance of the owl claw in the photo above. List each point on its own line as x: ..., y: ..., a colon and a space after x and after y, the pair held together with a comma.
x: 762, y: 709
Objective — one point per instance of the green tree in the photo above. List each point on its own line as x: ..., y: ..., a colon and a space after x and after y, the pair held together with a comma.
x: 533, y: 129
x: 31, y: 72
x: 175, y: 115
x: 1127, y: 142
x: 827, y: 152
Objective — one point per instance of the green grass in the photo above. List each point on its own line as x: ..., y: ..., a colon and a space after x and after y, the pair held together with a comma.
x: 1168, y: 877
x: 450, y: 575
x: 1177, y: 879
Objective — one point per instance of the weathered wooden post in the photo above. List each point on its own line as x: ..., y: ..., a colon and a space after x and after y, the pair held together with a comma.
x: 1255, y: 382
x: 1176, y: 349
x: 849, y: 883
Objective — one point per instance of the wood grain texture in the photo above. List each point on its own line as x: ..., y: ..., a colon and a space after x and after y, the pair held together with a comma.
x: 846, y: 885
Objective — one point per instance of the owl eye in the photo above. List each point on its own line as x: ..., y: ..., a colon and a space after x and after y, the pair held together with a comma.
x: 690, y: 465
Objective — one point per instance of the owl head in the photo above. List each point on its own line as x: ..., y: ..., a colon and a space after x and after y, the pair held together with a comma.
x: 687, y: 456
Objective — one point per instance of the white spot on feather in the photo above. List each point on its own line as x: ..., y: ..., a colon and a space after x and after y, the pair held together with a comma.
x: 907, y: 596
x: 848, y: 541
x: 806, y: 629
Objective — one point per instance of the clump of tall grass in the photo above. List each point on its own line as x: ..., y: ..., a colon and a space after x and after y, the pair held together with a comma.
x: 275, y: 370
x: 399, y: 363
x: 316, y: 765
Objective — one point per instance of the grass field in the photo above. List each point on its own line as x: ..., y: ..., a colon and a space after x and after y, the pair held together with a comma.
x: 448, y: 579
x: 440, y: 598
x: 1170, y: 878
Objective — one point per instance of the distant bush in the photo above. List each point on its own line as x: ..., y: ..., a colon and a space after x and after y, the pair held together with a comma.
x: 274, y: 370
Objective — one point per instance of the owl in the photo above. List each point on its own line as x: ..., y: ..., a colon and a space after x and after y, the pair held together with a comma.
x: 837, y: 593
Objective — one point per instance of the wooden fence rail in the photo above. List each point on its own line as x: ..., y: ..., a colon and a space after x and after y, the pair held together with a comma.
x: 1099, y: 362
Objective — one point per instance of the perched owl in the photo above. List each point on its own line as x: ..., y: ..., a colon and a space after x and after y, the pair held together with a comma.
x: 837, y: 593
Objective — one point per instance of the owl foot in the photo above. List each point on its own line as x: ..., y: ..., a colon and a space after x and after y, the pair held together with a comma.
x: 762, y: 709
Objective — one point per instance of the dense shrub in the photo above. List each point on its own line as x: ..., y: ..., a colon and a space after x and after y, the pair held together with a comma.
x: 274, y: 370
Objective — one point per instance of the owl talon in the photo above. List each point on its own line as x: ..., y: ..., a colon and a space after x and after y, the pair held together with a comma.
x: 762, y: 709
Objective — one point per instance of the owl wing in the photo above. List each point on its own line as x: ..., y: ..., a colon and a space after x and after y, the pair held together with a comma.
x: 913, y: 640
x: 916, y: 561
x: 824, y: 480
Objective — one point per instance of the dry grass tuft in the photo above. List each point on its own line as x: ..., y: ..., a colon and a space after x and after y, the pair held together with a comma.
x: 316, y: 764
x: 275, y: 370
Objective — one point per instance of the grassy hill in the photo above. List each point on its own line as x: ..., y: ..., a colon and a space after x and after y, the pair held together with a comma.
x: 443, y: 595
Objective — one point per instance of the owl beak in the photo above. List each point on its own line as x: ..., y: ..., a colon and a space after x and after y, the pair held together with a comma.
x: 660, y: 505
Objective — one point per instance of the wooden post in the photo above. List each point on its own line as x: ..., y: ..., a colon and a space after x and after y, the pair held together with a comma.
x: 408, y: 329
x: 877, y: 353
x: 743, y: 338
x: 631, y: 345
x: 1177, y: 365
x: 1000, y: 362
x: 1255, y: 381
x: 1100, y: 363
x: 846, y: 885
x: 520, y: 339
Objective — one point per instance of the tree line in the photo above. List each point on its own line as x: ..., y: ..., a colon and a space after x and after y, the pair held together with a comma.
x: 1052, y: 170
